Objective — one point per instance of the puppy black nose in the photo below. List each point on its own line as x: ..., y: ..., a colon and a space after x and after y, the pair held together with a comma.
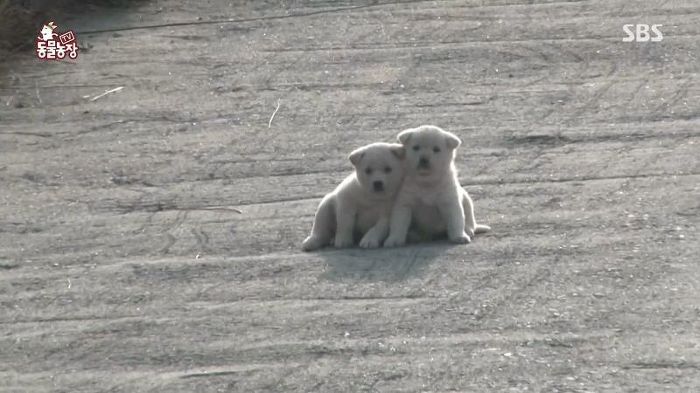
x: 423, y: 161
x: 378, y: 186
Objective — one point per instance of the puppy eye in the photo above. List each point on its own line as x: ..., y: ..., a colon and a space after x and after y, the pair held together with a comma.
x: 368, y: 171
x: 387, y: 169
x: 416, y: 147
x: 436, y: 149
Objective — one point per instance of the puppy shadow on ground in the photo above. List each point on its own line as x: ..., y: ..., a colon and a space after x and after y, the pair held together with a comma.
x: 382, y: 264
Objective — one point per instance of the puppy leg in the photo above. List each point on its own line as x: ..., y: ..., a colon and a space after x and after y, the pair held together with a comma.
x: 374, y: 237
x: 471, y: 227
x: 469, y: 220
x: 345, y: 225
x: 398, y: 226
x: 453, y: 214
x: 323, y: 228
x: 481, y: 228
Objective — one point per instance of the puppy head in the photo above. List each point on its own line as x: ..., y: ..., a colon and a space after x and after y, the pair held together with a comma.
x: 430, y: 151
x: 379, y: 167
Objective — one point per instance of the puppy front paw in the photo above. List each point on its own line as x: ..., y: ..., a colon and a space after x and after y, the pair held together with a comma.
x: 370, y: 240
x: 470, y: 232
x: 461, y: 239
x: 393, y: 241
x: 343, y: 241
x: 311, y: 243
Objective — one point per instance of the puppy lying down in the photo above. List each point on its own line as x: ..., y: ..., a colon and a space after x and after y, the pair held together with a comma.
x: 360, y: 206
x: 431, y: 202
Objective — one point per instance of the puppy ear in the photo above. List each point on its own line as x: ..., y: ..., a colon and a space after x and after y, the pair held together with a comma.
x: 453, y: 141
x: 398, y: 150
x: 405, y: 135
x: 356, y: 156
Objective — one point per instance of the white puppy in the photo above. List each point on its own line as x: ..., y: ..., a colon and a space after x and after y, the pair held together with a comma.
x: 361, y: 204
x: 431, y: 195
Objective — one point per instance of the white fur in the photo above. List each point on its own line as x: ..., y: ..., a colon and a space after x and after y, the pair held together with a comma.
x: 355, y: 206
x: 431, y: 195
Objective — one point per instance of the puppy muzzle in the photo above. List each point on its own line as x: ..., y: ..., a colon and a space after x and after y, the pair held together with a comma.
x: 423, y: 163
x: 378, y: 186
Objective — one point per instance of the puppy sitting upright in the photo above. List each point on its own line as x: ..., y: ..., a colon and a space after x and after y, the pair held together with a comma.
x: 361, y: 204
x: 431, y: 195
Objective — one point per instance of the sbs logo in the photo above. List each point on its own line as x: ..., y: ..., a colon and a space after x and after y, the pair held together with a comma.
x: 641, y: 33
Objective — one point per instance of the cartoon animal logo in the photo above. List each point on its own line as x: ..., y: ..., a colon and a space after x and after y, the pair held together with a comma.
x: 51, y: 44
x: 47, y: 32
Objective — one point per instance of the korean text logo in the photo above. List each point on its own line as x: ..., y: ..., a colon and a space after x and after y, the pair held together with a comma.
x: 51, y: 44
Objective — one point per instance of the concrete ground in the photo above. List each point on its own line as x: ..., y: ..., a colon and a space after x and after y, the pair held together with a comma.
x: 124, y: 266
